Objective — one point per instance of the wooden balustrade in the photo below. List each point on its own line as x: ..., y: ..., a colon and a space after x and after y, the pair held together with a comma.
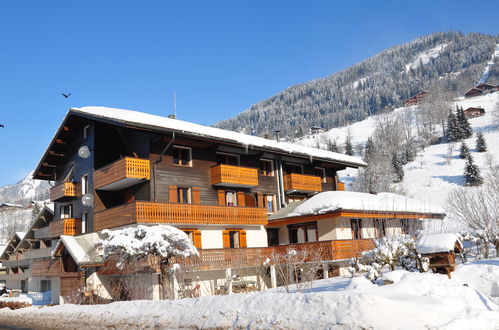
x: 177, y: 213
x: 38, y: 253
x: 64, y: 190
x: 146, y: 265
x: 302, y: 182
x: 340, y: 186
x: 230, y: 175
x: 121, y: 174
x: 65, y: 227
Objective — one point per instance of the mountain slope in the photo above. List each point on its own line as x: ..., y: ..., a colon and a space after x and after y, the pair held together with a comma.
x: 382, y: 81
x: 25, y: 191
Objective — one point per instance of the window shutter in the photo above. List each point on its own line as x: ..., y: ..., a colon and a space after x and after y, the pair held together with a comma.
x: 196, y: 195
x: 260, y: 199
x: 221, y: 197
x: 240, y: 198
x: 242, y: 238
x: 197, y: 238
x: 226, y: 239
x: 172, y: 194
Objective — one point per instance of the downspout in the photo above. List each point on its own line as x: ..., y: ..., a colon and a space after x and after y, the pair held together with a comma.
x: 281, y: 182
x: 158, y: 160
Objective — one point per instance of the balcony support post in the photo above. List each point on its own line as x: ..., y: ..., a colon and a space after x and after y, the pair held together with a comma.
x: 325, y: 268
x: 273, y: 277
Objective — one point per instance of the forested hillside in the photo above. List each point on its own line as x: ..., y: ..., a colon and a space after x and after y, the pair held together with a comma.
x: 452, y: 59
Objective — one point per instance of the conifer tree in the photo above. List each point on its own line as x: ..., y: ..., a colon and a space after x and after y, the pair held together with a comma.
x: 481, y: 146
x: 398, y: 167
x: 465, y: 151
x: 332, y: 146
x: 472, y: 175
x: 453, y: 133
x: 348, y: 146
x: 463, y: 124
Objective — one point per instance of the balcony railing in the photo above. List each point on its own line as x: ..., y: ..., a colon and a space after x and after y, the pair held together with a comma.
x: 41, y: 233
x: 235, y: 176
x: 340, y: 186
x: 64, y: 190
x: 46, y: 268
x: 38, y: 253
x: 302, y: 182
x: 65, y: 227
x: 123, y: 173
x: 211, y: 259
x: 176, y: 213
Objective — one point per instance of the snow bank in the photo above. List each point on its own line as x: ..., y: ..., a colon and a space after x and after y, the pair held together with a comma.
x: 415, y: 301
x: 348, y: 200
x: 482, y: 275
x: 162, y: 123
x: 434, y: 243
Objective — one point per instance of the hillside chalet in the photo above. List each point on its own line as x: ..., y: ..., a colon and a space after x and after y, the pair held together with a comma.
x: 481, y: 89
x: 473, y: 112
x: 415, y: 100
x: 231, y: 193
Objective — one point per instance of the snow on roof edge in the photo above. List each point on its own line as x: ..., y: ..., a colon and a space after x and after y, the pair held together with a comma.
x: 141, y: 118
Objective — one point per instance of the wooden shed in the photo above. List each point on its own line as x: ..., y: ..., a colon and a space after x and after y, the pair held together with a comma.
x: 473, y: 112
x: 441, y: 249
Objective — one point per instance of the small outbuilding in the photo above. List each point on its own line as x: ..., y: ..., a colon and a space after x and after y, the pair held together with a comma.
x: 473, y: 112
x: 441, y: 249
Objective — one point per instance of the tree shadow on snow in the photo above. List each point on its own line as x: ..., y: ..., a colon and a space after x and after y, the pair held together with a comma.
x: 455, y: 179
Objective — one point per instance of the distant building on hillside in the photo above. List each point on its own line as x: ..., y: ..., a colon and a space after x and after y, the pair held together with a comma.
x: 481, y: 89
x: 415, y: 100
x: 4, y: 206
x: 472, y: 112
x: 317, y: 129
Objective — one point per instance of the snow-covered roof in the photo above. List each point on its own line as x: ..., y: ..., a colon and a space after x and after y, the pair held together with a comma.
x: 82, y: 248
x: 434, y: 243
x: 330, y: 201
x: 10, y: 205
x: 20, y: 234
x: 140, y: 119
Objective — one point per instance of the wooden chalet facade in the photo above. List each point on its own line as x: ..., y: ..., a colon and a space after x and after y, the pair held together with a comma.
x: 414, y: 100
x: 113, y: 168
x: 481, y: 89
x: 473, y: 112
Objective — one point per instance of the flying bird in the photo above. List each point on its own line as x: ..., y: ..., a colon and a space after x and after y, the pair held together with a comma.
x: 1, y: 125
x: 66, y: 95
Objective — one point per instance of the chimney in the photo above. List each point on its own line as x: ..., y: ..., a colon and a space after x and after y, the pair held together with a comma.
x: 172, y: 116
x: 277, y: 135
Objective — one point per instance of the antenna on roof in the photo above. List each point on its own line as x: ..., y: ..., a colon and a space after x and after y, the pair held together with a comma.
x: 175, y: 103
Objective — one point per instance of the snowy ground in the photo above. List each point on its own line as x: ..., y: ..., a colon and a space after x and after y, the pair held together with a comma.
x: 414, y: 301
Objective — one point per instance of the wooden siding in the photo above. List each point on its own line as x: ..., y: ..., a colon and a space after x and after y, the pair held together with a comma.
x: 150, y: 264
x: 72, y: 285
x: 236, y: 175
x: 63, y: 190
x: 172, y: 213
x: 302, y: 182
x: 43, y: 268
x: 65, y: 227
x: 125, y: 168
x: 211, y: 259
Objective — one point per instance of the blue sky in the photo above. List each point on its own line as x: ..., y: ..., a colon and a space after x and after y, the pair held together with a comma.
x: 220, y: 56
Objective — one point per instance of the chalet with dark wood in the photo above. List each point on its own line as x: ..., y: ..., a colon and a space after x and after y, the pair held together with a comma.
x: 473, y: 112
x: 415, y: 100
x: 481, y: 89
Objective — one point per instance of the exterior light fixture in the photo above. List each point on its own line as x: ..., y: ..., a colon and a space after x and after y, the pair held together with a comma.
x: 88, y: 199
x: 84, y: 152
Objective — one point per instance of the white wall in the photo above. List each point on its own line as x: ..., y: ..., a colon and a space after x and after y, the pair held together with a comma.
x: 256, y: 237
x: 212, y: 239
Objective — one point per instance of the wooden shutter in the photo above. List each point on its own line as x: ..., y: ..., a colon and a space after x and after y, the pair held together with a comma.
x: 260, y: 199
x: 226, y: 239
x: 172, y: 192
x: 221, y: 197
x: 242, y: 238
x: 196, y: 234
x: 240, y: 198
x: 196, y: 195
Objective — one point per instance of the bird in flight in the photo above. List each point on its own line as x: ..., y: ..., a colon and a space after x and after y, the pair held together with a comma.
x: 66, y: 95
x: 1, y: 125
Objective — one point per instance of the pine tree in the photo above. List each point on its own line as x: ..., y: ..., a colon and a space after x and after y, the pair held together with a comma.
x: 472, y: 175
x: 463, y: 124
x: 465, y: 151
x: 481, y: 146
x: 348, y: 146
x: 453, y: 132
x: 299, y: 132
x: 398, y: 167
x: 332, y: 146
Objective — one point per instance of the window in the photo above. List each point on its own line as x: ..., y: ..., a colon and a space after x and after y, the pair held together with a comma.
x: 294, y: 199
x: 85, y: 131
x: 273, y: 236
x: 195, y: 236
x: 66, y: 211
x: 303, y: 233
x: 182, y: 156
x: 356, y: 226
x: 83, y: 223
x: 228, y: 159
x: 320, y: 172
x: 380, y: 227
x: 234, y: 238
x: 230, y: 198
x: 406, y: 228
x: 266, y: 167
x: 184, y: 195
x: 269, y: 203
x: 84, y: 184
x: 294, y: 168
x: 45, y: 285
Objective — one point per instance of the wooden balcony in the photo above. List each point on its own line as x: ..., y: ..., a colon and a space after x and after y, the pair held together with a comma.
x: 340, y: 186
x: 174, y: 213
x: 65, y: 227
x: 302, y: 183
x: 41, y: 233
x: 63, y: 191
x: 234, y: 176
x: 121, y: 174
x: 211, y: 259
x: 38, y: 253
x: 146, y: 265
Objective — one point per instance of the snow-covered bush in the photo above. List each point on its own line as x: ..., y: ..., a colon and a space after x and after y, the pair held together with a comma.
x: 134, y: 243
